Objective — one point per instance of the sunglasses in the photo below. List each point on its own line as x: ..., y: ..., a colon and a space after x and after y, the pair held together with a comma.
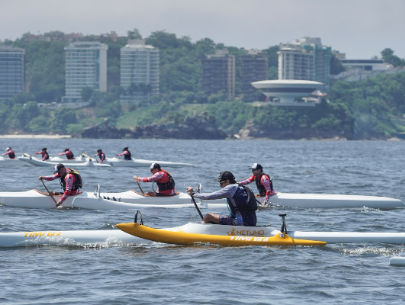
x: 221, y: 182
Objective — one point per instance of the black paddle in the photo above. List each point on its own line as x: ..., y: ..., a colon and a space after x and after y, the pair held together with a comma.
x: 196, y: 206
x: 49, y: 192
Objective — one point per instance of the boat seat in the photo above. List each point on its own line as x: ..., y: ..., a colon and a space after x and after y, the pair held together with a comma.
x: 59, y: 194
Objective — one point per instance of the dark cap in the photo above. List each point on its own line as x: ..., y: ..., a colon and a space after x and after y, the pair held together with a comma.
x: 58, y: 167
x: 257, y: 166
x: 223, y: 176
x: 44, y: 148
x: 99, y: 150
x: 125, y: 148
x: 67, y: 149
x: 155, y: 166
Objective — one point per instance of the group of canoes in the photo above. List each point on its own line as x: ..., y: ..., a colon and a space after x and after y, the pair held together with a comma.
x: 69, y: 154
x: 241, y: 201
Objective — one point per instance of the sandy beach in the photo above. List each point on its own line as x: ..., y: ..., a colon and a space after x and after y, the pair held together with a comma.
x: 30, y: 136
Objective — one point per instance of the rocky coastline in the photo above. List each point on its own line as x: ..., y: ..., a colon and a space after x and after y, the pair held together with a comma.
x: 199, y: 127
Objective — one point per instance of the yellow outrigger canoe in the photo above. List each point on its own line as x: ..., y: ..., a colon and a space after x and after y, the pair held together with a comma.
x: 183, y: 238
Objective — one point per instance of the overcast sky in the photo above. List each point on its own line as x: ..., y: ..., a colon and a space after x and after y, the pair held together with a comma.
x: 359, y: 28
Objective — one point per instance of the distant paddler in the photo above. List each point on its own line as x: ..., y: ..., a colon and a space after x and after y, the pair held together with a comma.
x: 126, y: 153
x: 240, y: 199
x: 10, y: 153
x: 164, y: 180
x: 69, y: 155
x: 263, y: 183
x: 70, y: 181
x: 101, y: 155
x: 44, y: 153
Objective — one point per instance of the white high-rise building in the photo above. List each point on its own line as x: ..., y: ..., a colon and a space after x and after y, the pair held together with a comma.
x: 11, y: 72
x: 86, y: 66
x: 139, y: 71
x: 305, y: 59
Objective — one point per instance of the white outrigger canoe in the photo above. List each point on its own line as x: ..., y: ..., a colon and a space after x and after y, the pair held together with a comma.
x: 117, y: 162
x: 119, y: 238
x: 133, y: 199
x: 95, y: 201
x: 84, y: 160
x: 87, y: 162
x: 7, y: 162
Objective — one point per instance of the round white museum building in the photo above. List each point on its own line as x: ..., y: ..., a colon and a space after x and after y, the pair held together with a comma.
x: 291, y: 92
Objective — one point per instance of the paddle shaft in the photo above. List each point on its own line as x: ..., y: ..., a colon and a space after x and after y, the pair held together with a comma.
x: 48, y: 192
x: 140, y: 187
x: 196, y: 206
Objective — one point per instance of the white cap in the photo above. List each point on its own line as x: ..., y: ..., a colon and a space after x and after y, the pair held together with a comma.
x: 8, y: 148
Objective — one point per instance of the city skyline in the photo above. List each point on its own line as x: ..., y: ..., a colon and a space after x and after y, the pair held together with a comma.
x: 359, y: 28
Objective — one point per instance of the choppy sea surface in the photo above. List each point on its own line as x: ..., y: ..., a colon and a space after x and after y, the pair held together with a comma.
x: 168, y: 274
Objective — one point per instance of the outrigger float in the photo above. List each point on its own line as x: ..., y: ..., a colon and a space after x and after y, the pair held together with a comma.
x: 191, y: 233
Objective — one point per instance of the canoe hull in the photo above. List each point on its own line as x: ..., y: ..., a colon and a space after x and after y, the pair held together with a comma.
x: 179, y: 199
x: 116, y: 162
x: 183, y: 238
x: 86, y: 163
x: 92, y: 201
x: 132, y: 200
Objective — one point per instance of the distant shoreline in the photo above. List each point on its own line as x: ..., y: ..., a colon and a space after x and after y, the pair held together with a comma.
x: 30, y: 136
x: 44, y: 136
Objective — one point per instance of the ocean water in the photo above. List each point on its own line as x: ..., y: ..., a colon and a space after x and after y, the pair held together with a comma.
x: 206, y: 274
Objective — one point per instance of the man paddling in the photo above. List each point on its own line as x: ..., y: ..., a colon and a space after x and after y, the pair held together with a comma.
x: 44, y: 153
x: 240, y: 200
x: 70, y: 180
x: 126, y: 153
x: 101, y: 155
x: 263, y: 182
x: 163, y: 179
x: 69, y: 155
x: 10, y: 153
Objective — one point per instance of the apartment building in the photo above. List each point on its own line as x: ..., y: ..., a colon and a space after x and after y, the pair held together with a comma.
x: 254, y: 68
x: 139, y: 71
x: 219, y: 73
x: 305, y: 59
x: 86, y: 66
x: 11, y: 72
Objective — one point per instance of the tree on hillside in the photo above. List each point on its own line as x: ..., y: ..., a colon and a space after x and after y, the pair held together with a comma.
x: 134, y: 34
x: 389, y: 57
x: 162, y: 40
x: 86, y: 93
x: 335, y: 65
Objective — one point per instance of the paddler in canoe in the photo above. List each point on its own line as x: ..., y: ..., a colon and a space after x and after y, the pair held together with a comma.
x: 164, y: 180
x: 101, y: 155
x: 263, y: 183
x: 44, y: 153
x: 126, y: 153
x: 240, y: 199
x: 70, y: 181
x: 10, y: 153
x: 67, y: 152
